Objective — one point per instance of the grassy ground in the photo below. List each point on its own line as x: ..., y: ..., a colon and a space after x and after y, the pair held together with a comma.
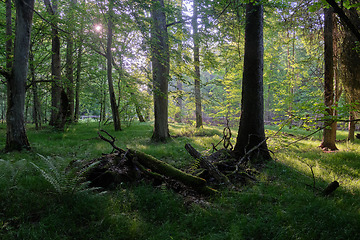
x: 282, y: 205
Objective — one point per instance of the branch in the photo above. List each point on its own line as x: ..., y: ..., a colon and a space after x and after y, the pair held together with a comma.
x: 111, y: 140
x: 346, y: 21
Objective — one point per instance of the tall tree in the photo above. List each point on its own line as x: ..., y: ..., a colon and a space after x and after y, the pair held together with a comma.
x: 160, y: 66
x: 329, y: 133
x: 251, y: 130
x: 195, y: 25
x: 16, y: 138
x: 114, y: 106
x: 69, y: 61
x: 55, y: 64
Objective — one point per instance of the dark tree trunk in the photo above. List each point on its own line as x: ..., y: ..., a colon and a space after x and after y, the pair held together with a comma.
x: 160, y: 65
x: 16, y: 138
x: 114, y: 107
x: 179, y: 79
x: 36, y: 101
x: 55, y: 67
x: 329, y: 133
x: 198, y: 111
x: 8, y: 43
x: 70, y: 76
x: 251, y: 130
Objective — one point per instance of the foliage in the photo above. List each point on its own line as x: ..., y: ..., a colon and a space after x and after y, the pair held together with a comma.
x: 69, y: 182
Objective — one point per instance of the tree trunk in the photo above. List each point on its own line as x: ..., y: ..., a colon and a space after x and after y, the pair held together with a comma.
x: 114, y: 107
x: 329, y: 133
x: 179, y: 102
x: 36, y: 101
x: 351, y: 133
x: 55, y: 66
x: 77, y: 81
x: 160, y: 65
x: 70, y: 73
x: 198, y: 111
x: 16, y: 138
x: 8, y: 43
x: 251, y: 130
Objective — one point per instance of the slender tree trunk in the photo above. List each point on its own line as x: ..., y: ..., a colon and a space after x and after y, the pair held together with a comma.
x: 8, y: 43
x: 36, y: 101
x: 251, y: 130
x: 55, y: 66
x: 179, y: 81
x: 329, y: 133
x: 198, y: 111
x: 351, y: 127
x: 70, y: 76
x: 78, y: 81
x: 160, y: 65
x: 179, y: 101
x: 16, y: 138
x: 114, y: 107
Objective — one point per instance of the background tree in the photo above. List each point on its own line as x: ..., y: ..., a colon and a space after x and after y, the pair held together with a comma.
x: 114, y: 106
x: 197, y: 80
x: 160, y: 67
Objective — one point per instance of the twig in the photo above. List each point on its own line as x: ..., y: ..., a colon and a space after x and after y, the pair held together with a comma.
x: 112, y: 141
x: 313, y: 175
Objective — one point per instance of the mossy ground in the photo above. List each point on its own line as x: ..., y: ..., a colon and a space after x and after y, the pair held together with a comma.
x: 282, y: 205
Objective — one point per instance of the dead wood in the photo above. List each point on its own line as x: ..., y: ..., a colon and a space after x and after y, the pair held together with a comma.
x: 132, y: 166
x: 206, y: 164
x: 331, y: 188
x: 167, y: 170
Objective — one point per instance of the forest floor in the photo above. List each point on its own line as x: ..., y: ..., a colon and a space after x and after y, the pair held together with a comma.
x: 39, y: 199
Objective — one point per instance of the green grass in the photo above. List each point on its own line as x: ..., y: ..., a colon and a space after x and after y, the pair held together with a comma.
x: 282, y: 205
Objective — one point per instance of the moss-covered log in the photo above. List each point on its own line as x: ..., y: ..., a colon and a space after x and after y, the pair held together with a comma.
x: 167, y: 170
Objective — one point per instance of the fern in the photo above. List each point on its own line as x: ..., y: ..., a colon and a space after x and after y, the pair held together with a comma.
x: 66, y: 182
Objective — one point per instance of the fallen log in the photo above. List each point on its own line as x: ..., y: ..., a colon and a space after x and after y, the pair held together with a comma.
x: 167, y: 170
x: 206, y: 164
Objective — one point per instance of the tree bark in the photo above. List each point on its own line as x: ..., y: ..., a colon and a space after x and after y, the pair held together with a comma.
x: 114, y: 106
x: 351, y: 128
x: 16, y: 138
x: 78, y: 81
x: 251, y: 130
x: 36, y: 101
x: 329, y: 133
x: 160, y: 65
x: 8, y: 43
x: 70, y: 64
x: 55, y: 66
x: 198, y: 111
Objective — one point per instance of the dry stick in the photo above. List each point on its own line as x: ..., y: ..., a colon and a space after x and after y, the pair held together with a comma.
x: 313, y: 175
x: 112, y: 141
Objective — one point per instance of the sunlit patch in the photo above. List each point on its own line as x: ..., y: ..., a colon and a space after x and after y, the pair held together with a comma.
x: 98, y: 27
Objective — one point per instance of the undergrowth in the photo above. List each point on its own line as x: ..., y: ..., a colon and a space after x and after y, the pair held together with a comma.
x: 41, y: 199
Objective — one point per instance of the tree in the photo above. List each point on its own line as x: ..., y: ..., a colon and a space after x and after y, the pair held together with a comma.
x: 198, y: 112
x: 114, y: 106
x: 16, y: 138
x: 55, y: 65
x: 251, y: 130
x: 160, y: 66
x: 329, y: 133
